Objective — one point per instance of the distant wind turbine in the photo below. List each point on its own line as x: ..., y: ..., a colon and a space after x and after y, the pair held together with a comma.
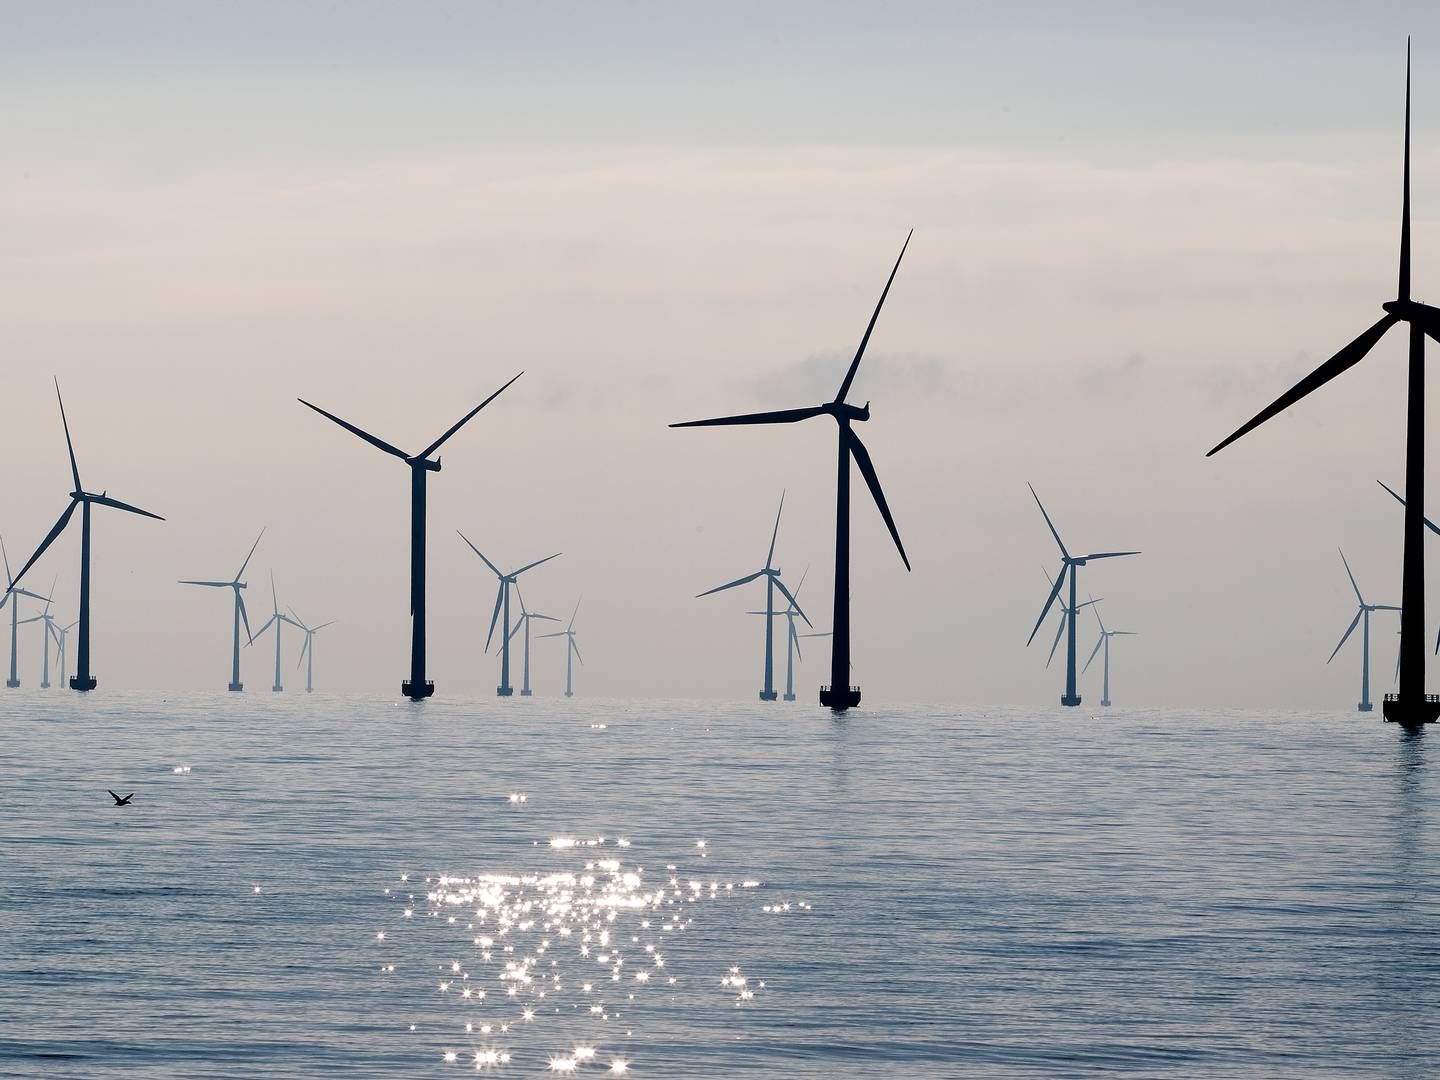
x: 571, y: 649
x: 61, y: 633
x: 839, y: 695
x: 1064, y: 613
x: 502, y: 601
x: 1362, y: 615
x: 82, y: 679
x: 792, y: 639
x: 1410, y: 707
x: 14, y: 681
x: 236, y: 586
x: 307, y: 650
x: 526, y: 616
x: 772, y: 582
x: 417, y: 686
x: 277, y: 617
x: 48, y: 631
x: 1105, y: 636
x: 1069, y: 567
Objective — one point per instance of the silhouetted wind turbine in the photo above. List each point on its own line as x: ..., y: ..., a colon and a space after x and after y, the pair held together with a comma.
x: 1105, y: 636
x: 417, y: 686
x: 1064, y: 616
x: 276, y: 618
x: 772, y: 582
x: 1411, y: 706
x: 1068, y: 568
x: 1434, y: 529
x: 1363, y: 614
x: 571, y: 649
x: 502, y: 600
x: 47, y: 632
x: 61, y: 633
x: 14, y: 681
x: 237, y: 586
x: 307, y: 651
x: 525, y: 617
x: 82, y: 680
x: 839, y: 695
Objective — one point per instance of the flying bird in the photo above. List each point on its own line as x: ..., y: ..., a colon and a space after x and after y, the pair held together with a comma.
x: 119, y: 801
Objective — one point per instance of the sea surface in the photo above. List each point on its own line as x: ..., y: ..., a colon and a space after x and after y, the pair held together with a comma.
x: 314, y: 886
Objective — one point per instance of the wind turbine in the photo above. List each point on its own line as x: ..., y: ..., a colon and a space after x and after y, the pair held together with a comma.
x: 772, y: 582
x: 307, y: 651
x: 1410, y: 707
x: 1363, y: 614
x: 502, y: 599
x: 525, y: 617
x: 1105, y: 636
x: 276, y: 618
x: 1065, y: 613
x: 417, y: 686
x: 1434, y: 529
x: 82, y: 679
x: 239, y: 614
x: 839, y: 695
x: 48, y: 631
x: 792, y: 638
x: 61, y: 633
x: 1069, y: 567
x: 14, y: 681
x: 571, y: 649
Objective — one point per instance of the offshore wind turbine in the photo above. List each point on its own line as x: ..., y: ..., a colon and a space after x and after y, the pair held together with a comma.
x: 82, y: 679
x: 502, y: 600
x: 1069, y: 568
x: 772, y: 582
x: 236, y: 586
x: 1065, y: 613
x: 526, y: 616
x: 307, y: 650
x: 1105, y: 636
x: 839, y: 695
x: 792, y: 638
x: 1362, y: 615
x: 47, y: 632
x: 277, y: 617
x: 1411, y: 706
x: 572, y: 651
x: 417, y: 686
x: 61, y: 633
x: 13, y: 681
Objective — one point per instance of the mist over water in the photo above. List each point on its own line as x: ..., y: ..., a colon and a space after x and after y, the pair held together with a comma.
x: 950, y: 892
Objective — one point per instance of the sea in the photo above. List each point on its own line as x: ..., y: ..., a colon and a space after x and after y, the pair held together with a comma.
x: 311, y: 885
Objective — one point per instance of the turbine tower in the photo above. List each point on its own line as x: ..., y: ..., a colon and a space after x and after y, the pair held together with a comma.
x: 571, y: 649
x: 276, y: 618
x: 237, y: 586
x: 1105, y: 636
x: 502, y: 600
x: 48, y: 631
x: 840, y: 694
x: 1065, y: 613
x: 307, y: 650
x: 13, y: 682
x: 1411, y: 707
x: 1434, y: 529
x: 1069, y: 567
x: 417, y: 686
x: 792, y: 638
x: 525, y: 617
x: 1362, y: 615
x: 772, y: 582
x: 82, y: 680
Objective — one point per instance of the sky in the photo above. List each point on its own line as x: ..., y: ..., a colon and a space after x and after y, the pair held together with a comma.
x: 1135, y: 225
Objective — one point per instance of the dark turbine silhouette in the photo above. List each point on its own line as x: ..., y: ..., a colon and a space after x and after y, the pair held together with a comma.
x: 82, y: 679
x: 1105, y: 636
x: 417, y: 686
x: 1362, y: 615
x: 502, y: 601
x: 1069, y: 568
x: 1064, y: 613
x: 839, y: 695
x: 1411, y: 707
x: 572, y: 651
x: 238, y: 614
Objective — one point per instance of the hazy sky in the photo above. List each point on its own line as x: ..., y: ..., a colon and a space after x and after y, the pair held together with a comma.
x: 1135, y: 226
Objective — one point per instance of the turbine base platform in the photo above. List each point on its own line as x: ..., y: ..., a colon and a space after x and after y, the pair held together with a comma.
x: 569, y: 694
x: 82, y: 684
x: 1070, y: 702
x: 236, y: 687
x: 1412, y: 713
x: 789, y: 697
x: 1364, y: 706
x: 1105, y: 703
x: 525, y: 693
x: 770, y: 696
x: 12, y: 683
x: 44, y: 686
x: 277, y: 689
x: 841, y: 698
x: 415, y: 690
x: 504, y: 691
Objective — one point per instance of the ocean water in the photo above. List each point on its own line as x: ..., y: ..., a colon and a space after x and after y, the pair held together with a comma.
x: 915, y: 892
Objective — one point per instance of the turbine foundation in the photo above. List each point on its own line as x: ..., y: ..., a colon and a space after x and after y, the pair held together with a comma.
x: 235, y: 687
x: 1411, y: 713
x: 1105, y: 702
x: 1069, y: 701
x: 87, y: 683
x: 768, y: 695
x: 504, y: 691
x: 12, y: 683
x: 416, y: 690
x: 841, y: 698
x: 789, y: 697
x: 524, y: 693
x: 1364, y: 706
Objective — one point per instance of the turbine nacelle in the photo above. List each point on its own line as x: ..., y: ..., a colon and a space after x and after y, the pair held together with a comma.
x: 423, y: 463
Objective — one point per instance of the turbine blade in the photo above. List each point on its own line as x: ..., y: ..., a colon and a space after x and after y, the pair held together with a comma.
x: 244, y: 615
x: 516, y: 628
x: 1342, y: 361
x: 317, y: 629
x: 864, y: 341
x: 576, y: 647
x: 303, y: 648
x: 557, y: 633
x: 246, y: 563
x: 210, y: 584
x: 1053, y: 531
x: 260, y: 632
x: 783, y: 416
x: 58, y: 528
x: 105, y: 500
x: 1096, y: 609
x: 70, y: 446
x: 1108, y: 555
x: 731, y: 585
x: 770, y: 557
x: 1428, y: 523
x: 1348, y: 631
x: 371, y: 439
x: 465, y: 419
x: 572, y: 616
x: 1352, y: 578
x: 537, y: 562
x: 499, y: 599
x: 802, y: 581
x: 493, y: 568
x: 793, y: 603
x: 795, y: 640
x: 8, y: 578
x: 1098, y: 643
x: 1054, y: 592
x: 1059, y: 633
x: 867, y: 470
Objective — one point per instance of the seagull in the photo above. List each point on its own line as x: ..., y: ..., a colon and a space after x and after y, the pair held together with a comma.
x: 119, y: 801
